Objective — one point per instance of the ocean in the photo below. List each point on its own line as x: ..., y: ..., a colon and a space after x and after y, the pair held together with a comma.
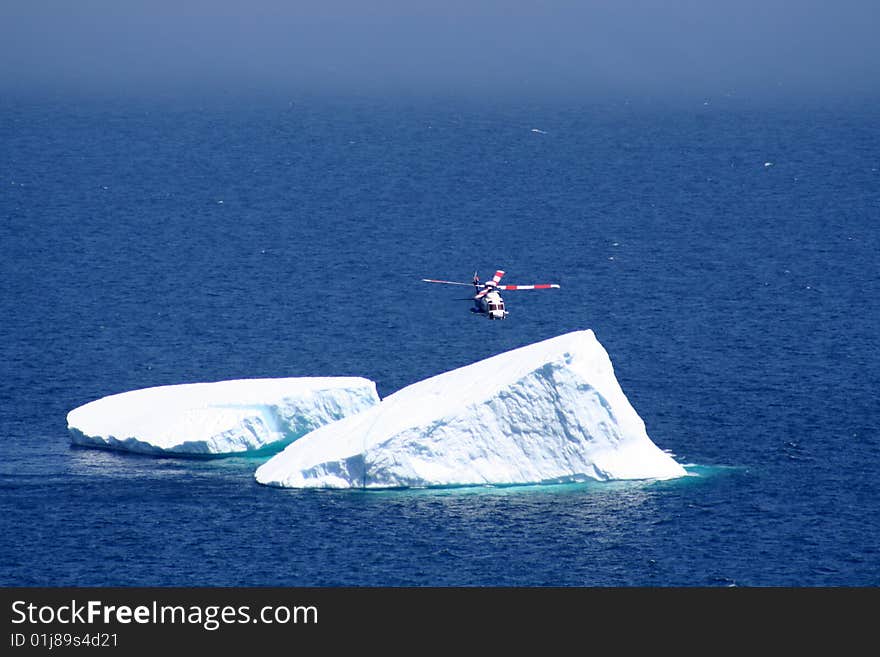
x: 724, y: 251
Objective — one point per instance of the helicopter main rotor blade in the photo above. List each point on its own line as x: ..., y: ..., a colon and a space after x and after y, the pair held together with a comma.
x: 541, y: 286
x: 431, y: 280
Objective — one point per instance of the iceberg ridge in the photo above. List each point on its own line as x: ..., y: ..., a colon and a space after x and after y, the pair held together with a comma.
x: 223, y: 417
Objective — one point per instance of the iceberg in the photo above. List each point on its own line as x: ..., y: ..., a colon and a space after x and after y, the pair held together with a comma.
x: 223, y: 417
x: 549, y: 412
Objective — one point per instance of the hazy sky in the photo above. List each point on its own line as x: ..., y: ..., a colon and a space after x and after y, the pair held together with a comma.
x: 586, y: 47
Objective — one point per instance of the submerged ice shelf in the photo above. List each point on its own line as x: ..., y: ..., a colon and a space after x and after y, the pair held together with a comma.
x: 224, y: 417
x: 552, y: 411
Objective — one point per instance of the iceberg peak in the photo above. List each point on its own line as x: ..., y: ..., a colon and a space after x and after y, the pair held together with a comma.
x: 551, y: 411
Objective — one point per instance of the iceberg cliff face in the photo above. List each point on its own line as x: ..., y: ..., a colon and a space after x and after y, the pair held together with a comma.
x: 225, y: 417
x: 552, y: 411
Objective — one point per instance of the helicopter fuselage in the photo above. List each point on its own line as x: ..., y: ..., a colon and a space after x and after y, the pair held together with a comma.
x: 490, y: 304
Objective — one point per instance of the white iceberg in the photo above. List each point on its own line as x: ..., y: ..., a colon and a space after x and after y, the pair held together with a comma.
x: 552, y: 411
x: 224, y: 417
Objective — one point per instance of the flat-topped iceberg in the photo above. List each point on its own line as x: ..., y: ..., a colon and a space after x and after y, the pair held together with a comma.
x: 551, y: 411
x: 225, y: 417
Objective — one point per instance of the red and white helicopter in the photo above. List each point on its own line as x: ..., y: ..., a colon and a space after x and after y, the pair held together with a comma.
x: 487, y: 300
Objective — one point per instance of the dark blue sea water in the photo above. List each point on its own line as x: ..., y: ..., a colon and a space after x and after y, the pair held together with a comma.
x: 725, y: 254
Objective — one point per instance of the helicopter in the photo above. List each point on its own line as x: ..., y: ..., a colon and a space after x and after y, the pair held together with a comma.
x: 487, y: 299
